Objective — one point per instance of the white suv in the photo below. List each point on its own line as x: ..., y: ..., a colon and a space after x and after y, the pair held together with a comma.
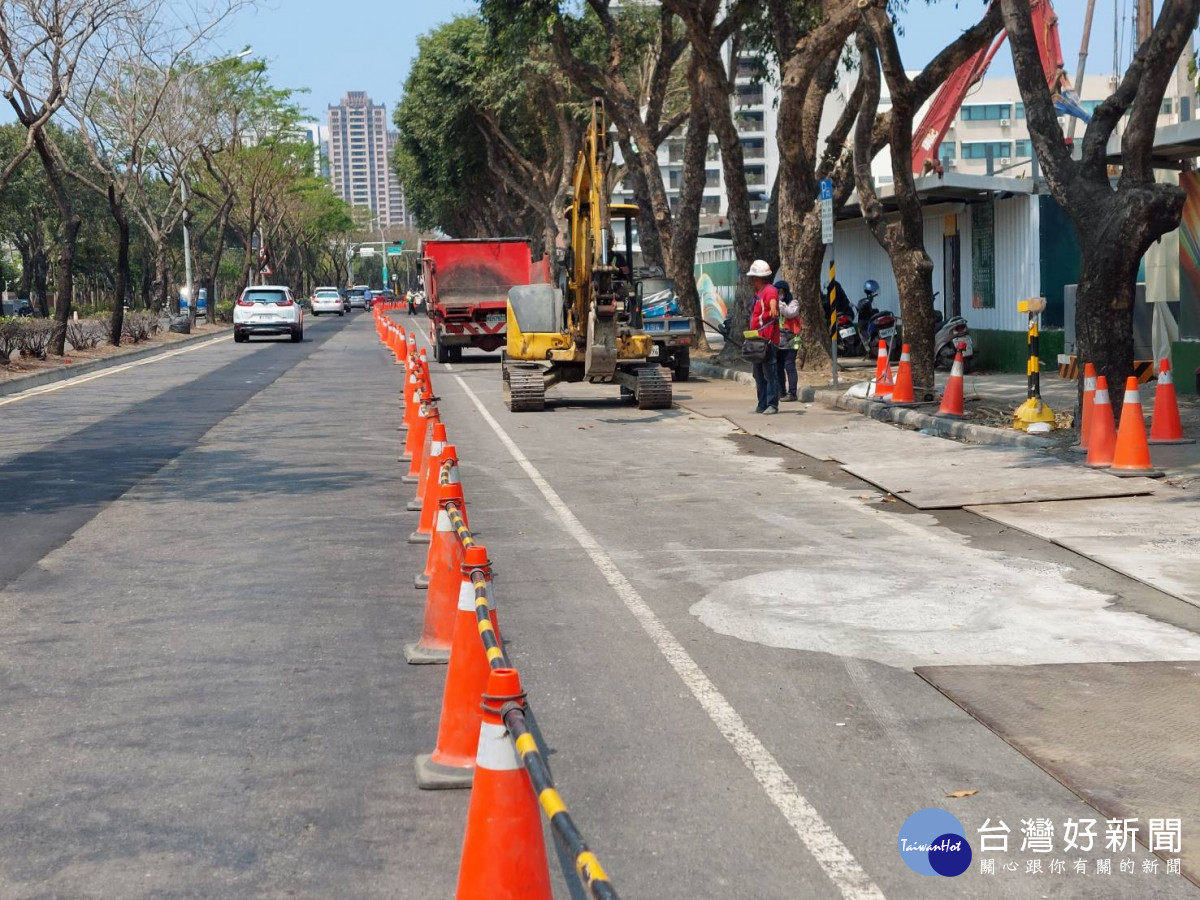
x: 267, y: 309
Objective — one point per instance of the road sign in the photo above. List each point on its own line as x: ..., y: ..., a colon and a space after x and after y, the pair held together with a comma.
x: 826, y: 211
x: 394, y: 251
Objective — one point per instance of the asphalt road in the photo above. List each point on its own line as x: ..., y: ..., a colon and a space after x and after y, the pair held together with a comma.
x: 204, y: 592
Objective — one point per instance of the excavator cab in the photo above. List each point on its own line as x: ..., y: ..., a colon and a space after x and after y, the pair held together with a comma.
x: 588, y: 328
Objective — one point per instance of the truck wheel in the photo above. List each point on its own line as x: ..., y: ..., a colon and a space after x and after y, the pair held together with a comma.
x: 455, y: 354
x: 440, y: 351
x: 683, y: 366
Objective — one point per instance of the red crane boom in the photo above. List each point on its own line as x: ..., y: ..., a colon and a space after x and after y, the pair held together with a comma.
x: 949, y: 98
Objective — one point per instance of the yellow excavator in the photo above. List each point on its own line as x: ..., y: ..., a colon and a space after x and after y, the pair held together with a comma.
x: 589, y: 329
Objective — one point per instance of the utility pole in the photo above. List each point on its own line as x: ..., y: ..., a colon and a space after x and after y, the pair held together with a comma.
x: 1083, y: 52
x: 1145, y: 20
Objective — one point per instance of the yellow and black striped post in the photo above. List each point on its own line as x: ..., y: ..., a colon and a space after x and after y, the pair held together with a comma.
x: 1033, y: 415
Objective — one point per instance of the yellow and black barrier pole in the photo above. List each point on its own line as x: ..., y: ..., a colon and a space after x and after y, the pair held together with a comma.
x: 587, y: 866
x: 1033, y: 416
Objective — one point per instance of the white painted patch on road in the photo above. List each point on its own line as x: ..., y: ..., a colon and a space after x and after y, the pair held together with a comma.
x: 83, y: 379
x: 904, y: 591
x: 834, y: 858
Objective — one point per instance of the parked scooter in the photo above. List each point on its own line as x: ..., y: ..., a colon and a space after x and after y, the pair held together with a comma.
x: 877, y: 325
x: 952, y: 335
x: 837, y: 307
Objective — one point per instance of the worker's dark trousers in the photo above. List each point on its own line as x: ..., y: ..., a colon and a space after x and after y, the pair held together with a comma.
x: 785, y: 363
x: 767, y: 381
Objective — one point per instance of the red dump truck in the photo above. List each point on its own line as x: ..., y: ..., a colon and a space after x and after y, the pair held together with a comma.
x: 466, y: 283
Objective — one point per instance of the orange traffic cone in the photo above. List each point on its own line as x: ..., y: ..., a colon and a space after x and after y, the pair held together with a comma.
x: 452, y: 763
x: 952, y: 395
x: 1102, y: 430
x: 1132, y: 454
x: 434, y: 444
x: 881, y: 385
x: 1165, y: 427
x: 429, y: 511
x: 445, y: 561
x: 902, y: 393
x: 504, y: 854
x: 412, y: 384
x: 1085, y: 414
x: 418, y: 438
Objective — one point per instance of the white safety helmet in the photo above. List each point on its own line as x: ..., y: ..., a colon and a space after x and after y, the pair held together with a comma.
x: 759, y: 269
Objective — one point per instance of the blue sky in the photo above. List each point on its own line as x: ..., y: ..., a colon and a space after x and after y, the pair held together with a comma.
x: 369, y: 45
x: 331, y: 48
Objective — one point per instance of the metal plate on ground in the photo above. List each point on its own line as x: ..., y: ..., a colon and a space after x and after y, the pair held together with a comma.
x: 983, y: 475
x: 1123, y: 736
x: 1154, y: 540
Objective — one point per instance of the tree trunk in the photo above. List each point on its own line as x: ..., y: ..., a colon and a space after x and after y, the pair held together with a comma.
x: 914, y: 277
x: 117, y: 320
x: 805, y: 265
x: 686, y: 226
x: 214, y: 267
x: 41, y: 284
x: 1104, y: 314
x: 161, y: 286
x: 69, y: 236
x: 648, y: 236
x: 147, y: 280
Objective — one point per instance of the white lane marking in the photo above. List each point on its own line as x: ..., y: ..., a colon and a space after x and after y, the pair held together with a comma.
x: 83, y: 379
x: 831, y: 854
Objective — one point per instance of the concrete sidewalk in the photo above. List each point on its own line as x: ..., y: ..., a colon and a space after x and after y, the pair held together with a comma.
x: 1153, y: 537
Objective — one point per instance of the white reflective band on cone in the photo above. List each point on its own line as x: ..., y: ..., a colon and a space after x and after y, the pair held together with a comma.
x: 1132, y: 397
x: 1164, y: 377
x: 443, y: 521
x: 1089, y: 384
x: 466, y: 594
x: 1101, y: 397
x: 454, y: 478
x: 436, y: 448
x: 496, y: 752
x: 956, y: 369
x: 904, y: 357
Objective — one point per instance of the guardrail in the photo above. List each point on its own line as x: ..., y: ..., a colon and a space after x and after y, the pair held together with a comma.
x: 471, y: 687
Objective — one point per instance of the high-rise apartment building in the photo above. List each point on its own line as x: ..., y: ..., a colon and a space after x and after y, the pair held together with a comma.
x: 360, y: 148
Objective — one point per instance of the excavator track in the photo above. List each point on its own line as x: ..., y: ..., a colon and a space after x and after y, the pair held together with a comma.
x: 653, y: 388
x: 524, y: 388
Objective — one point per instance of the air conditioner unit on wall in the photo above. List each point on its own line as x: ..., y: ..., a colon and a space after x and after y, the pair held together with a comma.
x: 1004, y: 161
x: 1004, y: 123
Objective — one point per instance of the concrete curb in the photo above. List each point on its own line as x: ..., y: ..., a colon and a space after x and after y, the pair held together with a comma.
x: 953, y: 428
x: 38, y: 379
x: 882, y: 412
x: 708, y: 370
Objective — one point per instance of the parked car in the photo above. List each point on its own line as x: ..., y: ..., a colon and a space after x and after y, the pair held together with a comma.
x: 267, y: 309
x: 360, y: 297
x: 21, y: 307
x: 327, y: 300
